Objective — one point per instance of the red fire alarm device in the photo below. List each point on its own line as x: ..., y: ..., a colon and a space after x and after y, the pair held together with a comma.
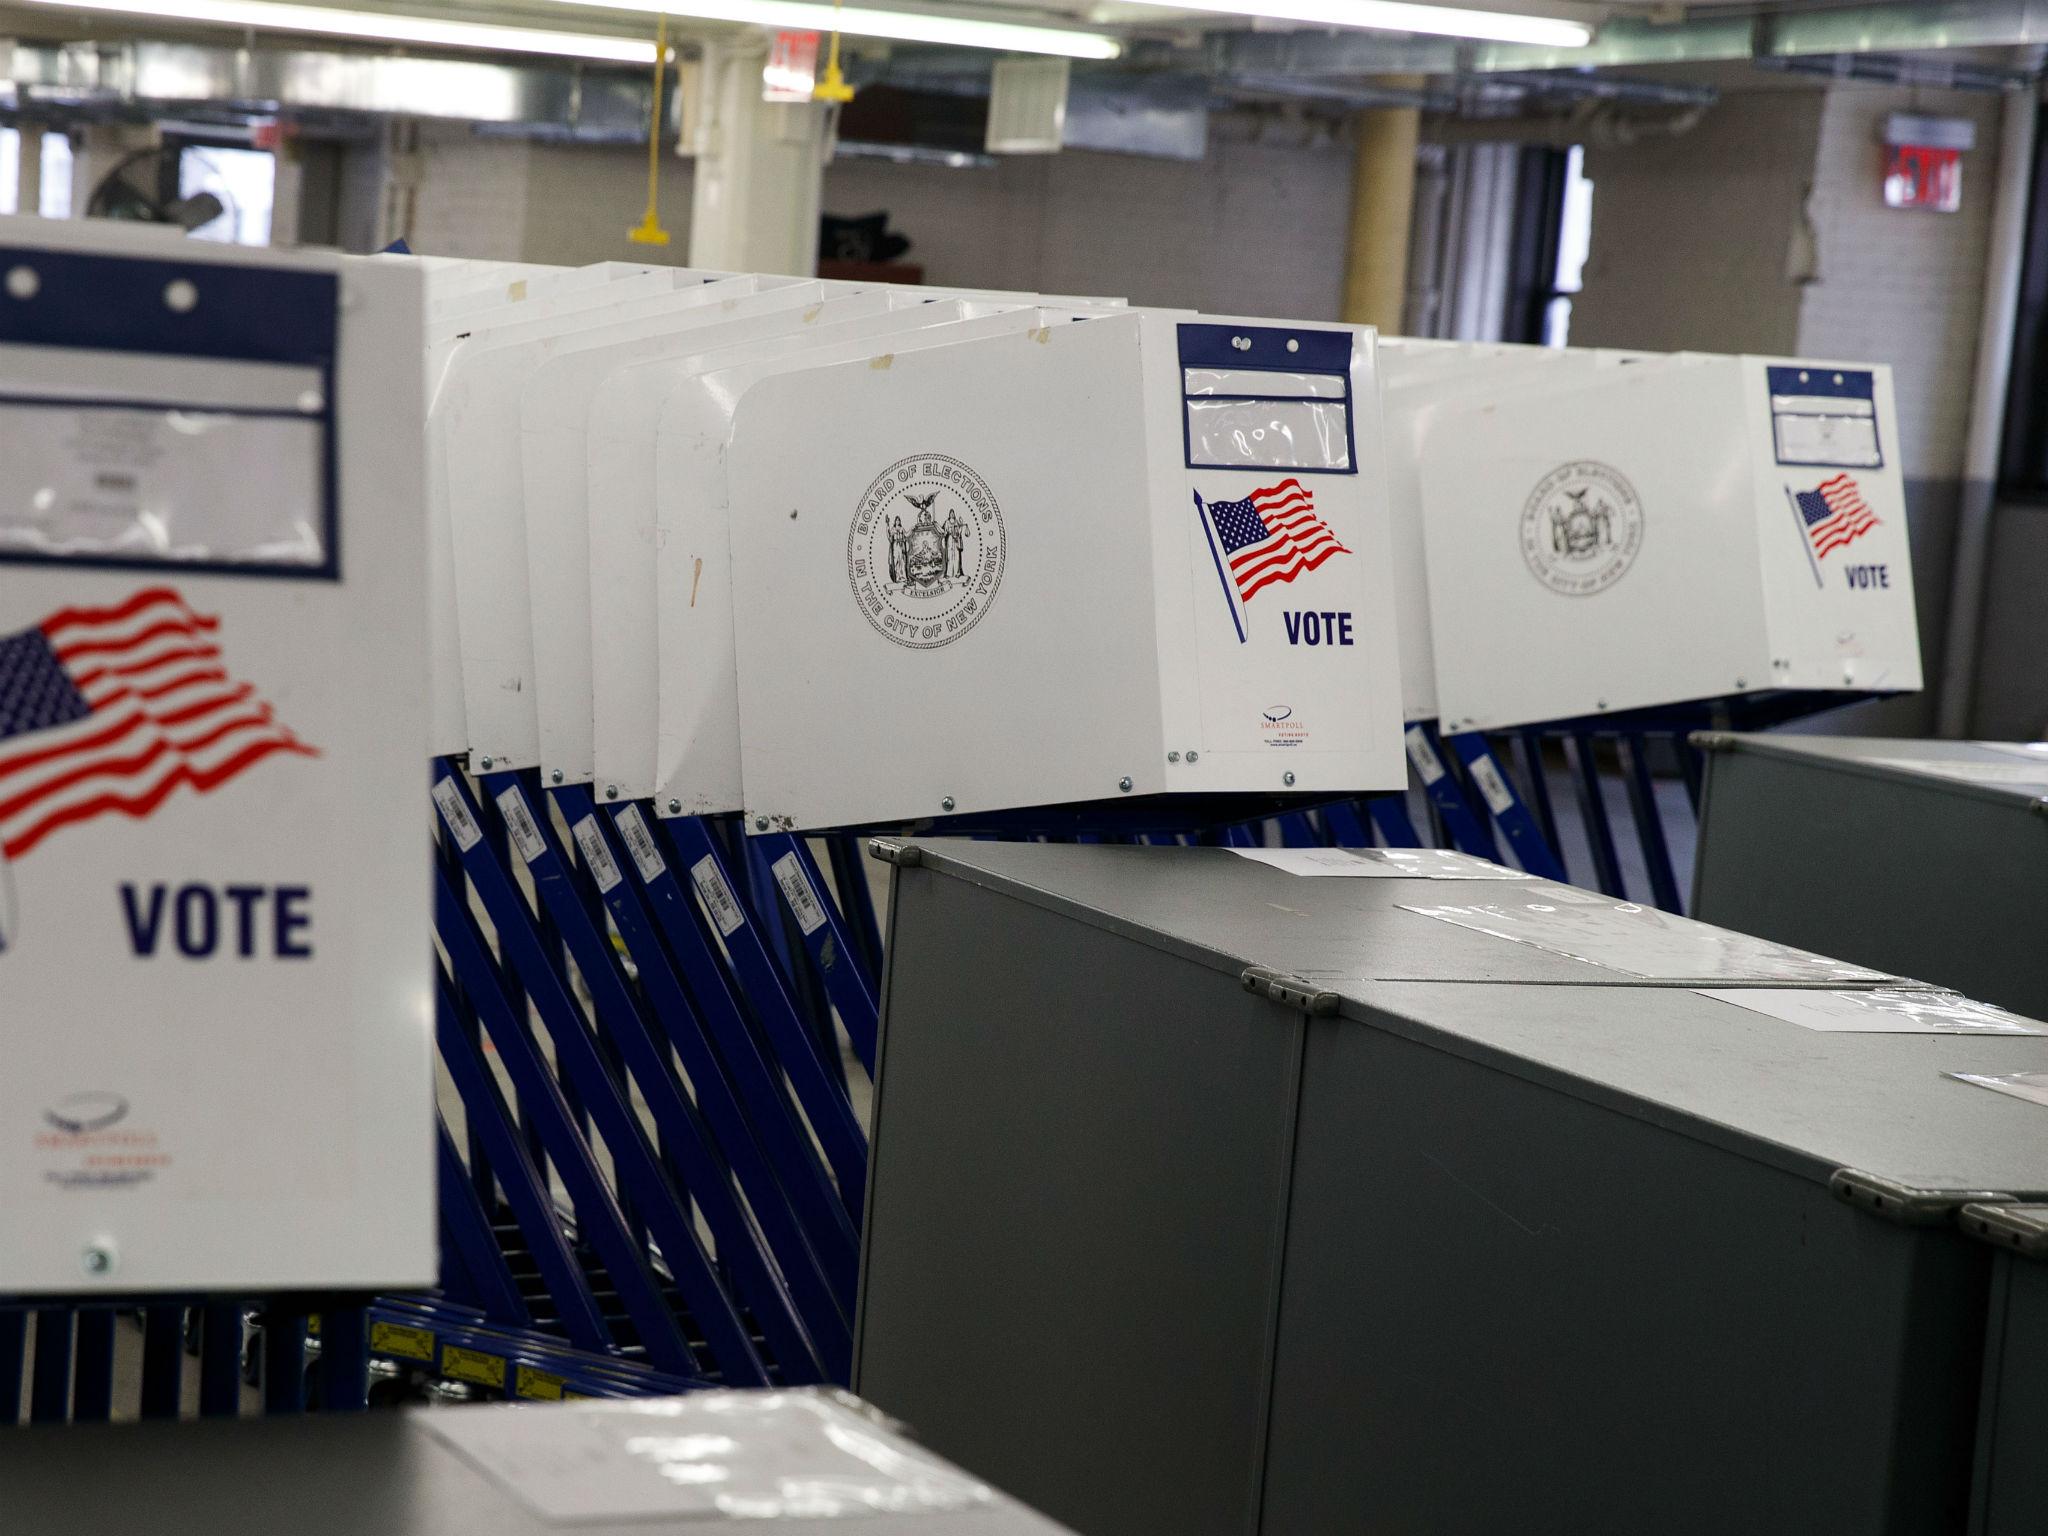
x: 1924, y: 160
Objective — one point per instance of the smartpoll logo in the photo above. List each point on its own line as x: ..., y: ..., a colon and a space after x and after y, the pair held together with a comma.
x: 80, y: 1114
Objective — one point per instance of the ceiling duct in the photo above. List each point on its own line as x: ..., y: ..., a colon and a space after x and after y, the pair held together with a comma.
x: 565, y: 99
x: 1630, y: 43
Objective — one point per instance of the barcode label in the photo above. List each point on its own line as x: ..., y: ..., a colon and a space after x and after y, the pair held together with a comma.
x: 519, y: 822
x: 455, y: 811
x: 1486, y: 774
x: 1423, y: 756
x: 797, y: 891
x: 603, y: 867
x: 640, y: 844
x: 716, y: 895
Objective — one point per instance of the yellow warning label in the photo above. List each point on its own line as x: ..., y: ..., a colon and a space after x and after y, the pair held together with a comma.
x: 396, y: 1339
x: 473, y: 1365
x: 543, y: 1385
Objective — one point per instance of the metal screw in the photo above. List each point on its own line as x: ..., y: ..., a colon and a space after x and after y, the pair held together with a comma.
x: 760, y: 823
x: 1742, y: 682
x: 1600, y: 704
x: 1124, y: 784
x: 946, y: 804
x: 487, y: 765
x: 675, y: 807
x: 180, y: 296
x: 23, y: 283
x: 1193, y: 755
x: 1287, y: 778
x: 611, y: 791
x: 556, y: 776
x: 1173, y: 757
x: 98, y: 1257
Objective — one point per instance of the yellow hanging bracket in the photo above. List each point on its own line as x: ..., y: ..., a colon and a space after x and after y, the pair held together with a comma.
x: 649, y: 231
x: 832, y: 86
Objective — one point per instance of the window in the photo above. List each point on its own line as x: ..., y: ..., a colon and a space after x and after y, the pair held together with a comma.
x: 1574, y: 239
x: 245, y: 181
x: 56, y: 197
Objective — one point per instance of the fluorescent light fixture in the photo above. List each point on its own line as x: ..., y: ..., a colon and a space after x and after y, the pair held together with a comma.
x: 902, y: 26
x: 1403, y: 16
x: 380, y: 26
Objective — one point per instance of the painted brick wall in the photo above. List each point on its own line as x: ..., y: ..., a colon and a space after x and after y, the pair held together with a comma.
x: 1691, y: 234
x: 1256, y: 228
x: 469, y: 195
x: 1899, y: 286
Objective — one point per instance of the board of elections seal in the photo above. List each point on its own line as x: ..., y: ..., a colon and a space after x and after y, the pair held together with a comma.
x: 1582, y: 528
x: 925, y: 553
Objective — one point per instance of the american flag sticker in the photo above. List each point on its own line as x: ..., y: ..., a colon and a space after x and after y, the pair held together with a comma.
x: 110, y: 711
x: 1831, y: 515
x: 1272, y: 535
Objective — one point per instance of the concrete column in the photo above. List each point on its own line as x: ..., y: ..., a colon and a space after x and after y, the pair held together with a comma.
x: 29, y: 173
x: 760, y: 169
x: 1382, y: 199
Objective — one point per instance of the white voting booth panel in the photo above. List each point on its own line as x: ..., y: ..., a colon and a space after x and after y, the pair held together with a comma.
x: 1420, y: 379
x: 693, y: 670
x: 213, y: 907
x: 447, y: 337
x: 1136, y: 555
x: 1678, y: 529
x: 620, y: 466
x: 556, y: 417
x: 478, y: 409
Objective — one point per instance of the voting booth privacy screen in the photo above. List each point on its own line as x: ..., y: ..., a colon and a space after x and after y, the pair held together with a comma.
x: 1607, y: 532
x: 213, y: 901
x: 1131, y: 556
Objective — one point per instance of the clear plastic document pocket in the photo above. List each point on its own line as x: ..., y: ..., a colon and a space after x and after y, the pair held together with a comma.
x: 143, y: 484
x: 1266, y: 398
x: 167, y: 413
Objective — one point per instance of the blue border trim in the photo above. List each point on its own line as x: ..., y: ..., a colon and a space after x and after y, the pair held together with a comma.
x: 1316, y: 351
x: 1825, y: 384
x: 88, y: 301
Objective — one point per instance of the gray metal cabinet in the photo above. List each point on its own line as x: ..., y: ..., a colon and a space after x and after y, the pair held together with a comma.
x: 2011, y: 1495
x: 1184, y: 1219
x: 1929, y: 858
x: 389, y: 1474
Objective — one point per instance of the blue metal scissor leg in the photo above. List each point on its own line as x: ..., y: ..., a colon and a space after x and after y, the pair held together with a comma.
x: 163, y: 1361
x: 1642, y: 801
x: 469, y: 1240
x: 526, y: 1190
x: 1463, y: 826
x: 92, y: 1377
x: 600, y: 1222
x: 856, y: 896
x: 709, y: 1184
x: 692, y: 854
x: 1497, y: 792
x: 1585, y: 765
x: 827, y: 937
x: 49, y: 1392
x: 826, y: 1312
x: 755, y: 1072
